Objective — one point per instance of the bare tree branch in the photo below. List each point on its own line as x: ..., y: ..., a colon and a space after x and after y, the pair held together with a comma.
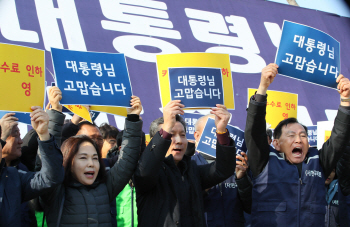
x: 292, y: 2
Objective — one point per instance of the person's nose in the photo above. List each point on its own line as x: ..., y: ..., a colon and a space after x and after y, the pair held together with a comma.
x: 90, y: 162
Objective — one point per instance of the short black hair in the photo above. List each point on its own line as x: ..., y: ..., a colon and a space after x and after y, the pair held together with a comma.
x: 278, y: 130
x: 269, y: 133
x: 108, y: 131
x: 86, y: 123
x: 153, y: 128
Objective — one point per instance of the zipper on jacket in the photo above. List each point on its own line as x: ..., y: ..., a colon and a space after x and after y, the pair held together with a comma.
x: 220, y: 186
x: 299, y: 190
x: 183, y: 179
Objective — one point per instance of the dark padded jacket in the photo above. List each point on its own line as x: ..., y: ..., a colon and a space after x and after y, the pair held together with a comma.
x: 159, y: 184
x: 17, y: 186
x: 79, y: 205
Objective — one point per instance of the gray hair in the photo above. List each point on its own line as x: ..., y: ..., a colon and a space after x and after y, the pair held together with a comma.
x: 200, y: 120
x: 154, y: 127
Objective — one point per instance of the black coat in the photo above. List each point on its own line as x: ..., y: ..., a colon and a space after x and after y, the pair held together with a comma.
x: 159, y: 184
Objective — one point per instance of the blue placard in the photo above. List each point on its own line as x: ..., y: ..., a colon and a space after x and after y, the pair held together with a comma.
x: 191, y: 119
x: 90, y: 78
x: 312, y: 135
x: 196, y: 87
x: 308, y: 54
x: 207, y: 142
x: 22, y: 117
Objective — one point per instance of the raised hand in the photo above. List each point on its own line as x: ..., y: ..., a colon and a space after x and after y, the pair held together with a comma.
x: 222, y: 116
x: 55, y: 96
x: 242, y: 165
x: 268, y: 74
x: 136, y: 106
x: 7, y: 122
x: 40, y: 122
x: 344, y: 89
x: 170, y: 111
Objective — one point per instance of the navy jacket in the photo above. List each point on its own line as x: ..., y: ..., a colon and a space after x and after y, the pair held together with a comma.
x: 332, y: 217
x: 222, y: 204
x: 17, y: 187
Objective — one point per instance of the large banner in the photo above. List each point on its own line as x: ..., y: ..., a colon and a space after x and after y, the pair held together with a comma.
x: 249, y: 31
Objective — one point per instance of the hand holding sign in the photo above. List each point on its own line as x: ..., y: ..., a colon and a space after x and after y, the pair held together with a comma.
x: 40, y: 122
x: 344, y: 89
x: 55, y: 96
x: 7, y: 122
x: 268, y: 74
x: 136, y: 106
x: 170, y: 111
x: 222, y: 116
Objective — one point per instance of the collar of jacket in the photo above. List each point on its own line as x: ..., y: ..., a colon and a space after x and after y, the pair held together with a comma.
x: 182, y: 165
x: 76, y: 184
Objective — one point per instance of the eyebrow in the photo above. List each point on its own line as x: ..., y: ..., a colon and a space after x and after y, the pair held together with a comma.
x: 86, y: 154
x: 295, y: 132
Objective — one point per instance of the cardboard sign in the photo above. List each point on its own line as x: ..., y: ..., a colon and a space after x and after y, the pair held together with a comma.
x: 312, y: 135
x: 121, y: 111
x: 207, y: 142
x: 280, y: 106
x: 324, y: 129
x: 91, y: 78
x: 22, y: 74
x: 81, y: 111
x: 22, y: 117
x: 308, y: 54
x: 199, y: 80
x: 191, y: 119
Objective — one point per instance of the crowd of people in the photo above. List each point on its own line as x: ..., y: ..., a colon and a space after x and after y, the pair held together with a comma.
x: 74, y: 173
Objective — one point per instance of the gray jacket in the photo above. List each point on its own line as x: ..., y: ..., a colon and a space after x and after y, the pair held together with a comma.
x: 80, y: 205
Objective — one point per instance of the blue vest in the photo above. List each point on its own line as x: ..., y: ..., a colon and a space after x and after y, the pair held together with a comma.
x: 222, y: 204
x: 344, y: 209
x: 282, y: 198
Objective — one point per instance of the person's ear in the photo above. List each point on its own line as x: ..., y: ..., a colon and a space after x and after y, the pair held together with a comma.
x: 196, y: 136
x: 276, y: 144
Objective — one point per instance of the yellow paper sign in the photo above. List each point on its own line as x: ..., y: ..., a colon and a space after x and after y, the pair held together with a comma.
x: 327, y: 134
x: 195, y: 60
x: 121, y: 111
x: 80, y: 110
x: 148, y: 139
x: 22, y: 75
x: 280, y: 106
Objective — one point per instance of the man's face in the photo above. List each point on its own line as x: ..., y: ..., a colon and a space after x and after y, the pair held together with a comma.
x: 198, y: 133
x: 107, y: 145
x: 293, y: 143
x: 178, y: 142
x: 12, y: 150
x: 92, y: 132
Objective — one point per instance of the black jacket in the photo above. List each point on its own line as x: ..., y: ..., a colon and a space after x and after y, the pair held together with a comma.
x: 166, y: 192
x: 343, y: 172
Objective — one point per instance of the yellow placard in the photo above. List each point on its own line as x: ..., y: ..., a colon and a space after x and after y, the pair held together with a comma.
x: 22, y: 75
x: 280, y: 106
x: 80, y: 110
x: 327, y: 134
x: 148, y: 139
x: 121, y: 111
x: 207, y: 60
